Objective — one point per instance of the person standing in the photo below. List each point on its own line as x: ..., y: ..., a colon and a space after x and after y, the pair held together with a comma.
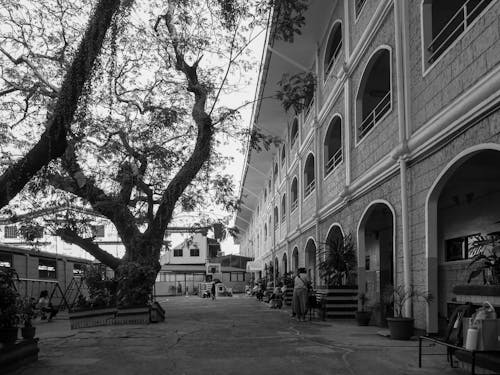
x: 213, y: 291
x: 45, y: 306
x: 299, y: 299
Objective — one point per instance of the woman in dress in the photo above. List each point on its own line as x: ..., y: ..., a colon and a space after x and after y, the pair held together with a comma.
x: 300, y: 284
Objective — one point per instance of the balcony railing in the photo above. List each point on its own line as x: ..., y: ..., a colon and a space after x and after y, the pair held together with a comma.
x: 457, y: 24
x: 359, y: 6
x: 283, y: 219
x: 294, y: 138
x: 309, y: 188
x: 309, y: 107
x: 335, y: 160
x: 333, y: 60
x: 375, y: 115
x: 294, y: 205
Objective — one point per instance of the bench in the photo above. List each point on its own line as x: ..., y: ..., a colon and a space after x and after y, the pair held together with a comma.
x: 489, y: 359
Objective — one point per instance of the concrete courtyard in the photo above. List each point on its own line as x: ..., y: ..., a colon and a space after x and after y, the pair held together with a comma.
x: 236, y: 335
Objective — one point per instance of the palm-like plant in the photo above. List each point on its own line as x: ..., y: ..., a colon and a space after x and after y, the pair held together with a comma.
x: 339, y: 262
x: 486, y: 259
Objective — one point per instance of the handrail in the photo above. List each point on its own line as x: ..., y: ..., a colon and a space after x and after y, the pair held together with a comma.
x: 294, y: 205
x: 333, y: 161
x: 309, y: 188
x: 333, y: 60
x: 378, y: 111
x: 294, y: 138
x: 359, y: 6
x: 464, y: 22
x: 309, y: 106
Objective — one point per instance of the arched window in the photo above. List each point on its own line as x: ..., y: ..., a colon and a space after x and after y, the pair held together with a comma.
x: 374, y: 96
x: 333, y: 47
x: 309, y: 180
x: 444, y: 21
x: 265, y: 230
x: 257, y: 210
x: 333, y: 145
x: 270, y: 224
x: 265, y: 194
x: 276, y: 217
x: 275, y: 172
x: 294, y: 195
x: 283, y: 208
x: 283, y: 155
x: 294, y: 133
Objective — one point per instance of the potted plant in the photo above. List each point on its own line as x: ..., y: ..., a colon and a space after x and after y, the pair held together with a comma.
x: 27, y: 312
x: 339, y: 264
x: 9, y: 317
x: 400, y: 327
x: 486, y: 259
x: 363, y: 316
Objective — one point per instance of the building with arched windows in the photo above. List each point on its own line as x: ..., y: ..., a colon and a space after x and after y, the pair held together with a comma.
x: 399, y: 147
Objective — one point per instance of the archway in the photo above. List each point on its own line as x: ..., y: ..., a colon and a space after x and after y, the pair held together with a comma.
x: 295, y: 259
x: 276, y: 269
x: 311, y: 261
x: 376, y: 254
x: 462, y: 203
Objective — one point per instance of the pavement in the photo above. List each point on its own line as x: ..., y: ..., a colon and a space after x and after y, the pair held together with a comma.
x: 227, y: 336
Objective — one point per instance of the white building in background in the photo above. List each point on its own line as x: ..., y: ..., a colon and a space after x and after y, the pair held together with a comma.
x: 106, y: 237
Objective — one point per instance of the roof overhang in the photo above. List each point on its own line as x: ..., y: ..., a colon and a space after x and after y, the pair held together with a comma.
x: 268, y: 114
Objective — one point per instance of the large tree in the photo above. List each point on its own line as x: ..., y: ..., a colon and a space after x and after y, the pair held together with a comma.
x: 42, y: 79
x: 143, y: 142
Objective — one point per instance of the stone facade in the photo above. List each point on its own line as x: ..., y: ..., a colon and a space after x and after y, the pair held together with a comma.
x: 384, y: 189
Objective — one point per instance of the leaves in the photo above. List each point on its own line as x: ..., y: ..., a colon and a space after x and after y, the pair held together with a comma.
x: 296, y: 91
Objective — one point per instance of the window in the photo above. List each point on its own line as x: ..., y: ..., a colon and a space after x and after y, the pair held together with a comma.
x: 294, y: 195
x: 283, y: 156
x: 177, y: 252
x: 294, y: 134
x: 445, y: 21
x: 359, y: 6
x: 283, y: 208
x: 270, y: 185
x: 333, y: 48
x: 265, y: 194
x: 458, y: 248
x: 47, y: 268
x: 275, y: 172
x: 194, y: 252
x: 5, y: 260
x: 270, y: 225
x: 98, y: 231
x: 276, y: 217
x: 78, y: 269
x: 309, y: 180
x: 333, y: 145
x: 11, y: 231
x: 374, y: 96
x: 265, y: 230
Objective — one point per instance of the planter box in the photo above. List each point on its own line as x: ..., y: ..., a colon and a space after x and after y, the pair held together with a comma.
x: 92, y: 318
x: 133, y: 315
x: 15, y: 356
x: 157, y: 313
x: 341, y: 303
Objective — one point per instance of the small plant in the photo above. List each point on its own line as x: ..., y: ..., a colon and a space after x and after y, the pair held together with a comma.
x: 397, y: 297
x: 26, y: 309
x: 363, y: 298
x: 486, y: 259
x: 8, y: 298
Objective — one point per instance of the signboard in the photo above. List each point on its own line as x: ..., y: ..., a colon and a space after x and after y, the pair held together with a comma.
x: 255, y: 266
x: 213, y: 268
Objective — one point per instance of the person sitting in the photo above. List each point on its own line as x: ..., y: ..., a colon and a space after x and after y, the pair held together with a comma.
x: 277, y: 298
x: 45, y: 306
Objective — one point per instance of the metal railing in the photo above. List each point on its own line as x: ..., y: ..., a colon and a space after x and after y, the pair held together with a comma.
x: 309, y: 107
x: 335, y: 160
x: 294, y: 205
x: 294, y: 138
x: 309, y: 188
x: 375, y: 115
x: 457, y: 24
x: 359, y: 6
x: 333, y: 59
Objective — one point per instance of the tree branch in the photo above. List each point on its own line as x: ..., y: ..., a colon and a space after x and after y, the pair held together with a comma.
x: 53, y: 141
x: 89, y: 246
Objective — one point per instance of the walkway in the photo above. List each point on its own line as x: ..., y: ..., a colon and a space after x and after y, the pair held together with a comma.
x: 228, y: 336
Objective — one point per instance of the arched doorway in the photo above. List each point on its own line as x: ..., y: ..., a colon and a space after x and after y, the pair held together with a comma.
x: 334, y: 239
x: 276, y: 269
x: 376, y: 254
x: 284, y: 264
x: 311, y: 261
x: 462, y: 203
